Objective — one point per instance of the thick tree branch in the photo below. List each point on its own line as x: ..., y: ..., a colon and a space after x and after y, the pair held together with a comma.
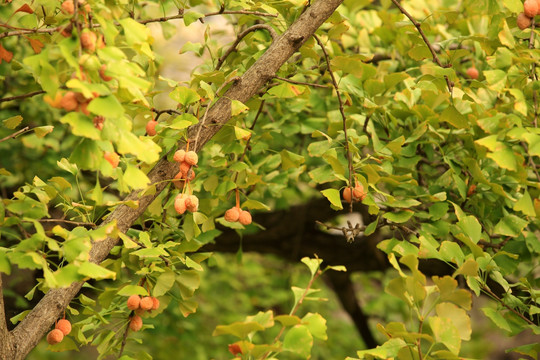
x: 344, y: 289
x: 28, y: 333
x: 3, y: 325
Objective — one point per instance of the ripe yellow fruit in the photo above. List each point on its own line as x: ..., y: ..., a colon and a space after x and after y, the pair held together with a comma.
x: 473, y: 73
x: 530, y: 8
x: 151, y: 127
x: 233, y: 214
x: 112, y: 157
x: 133, y: 302
x: 64, y: 326
x: 191, y: 158
x: 192, y: 203
x: 135, y: 323
x: 179, y: 155
x: 146, y: 303
x: 523, y: 21
x: 180, y: 204
x: 245, y: 217
x: 55, y: 336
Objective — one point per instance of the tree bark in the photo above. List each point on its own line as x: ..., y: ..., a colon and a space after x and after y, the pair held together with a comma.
x: 34, y: 326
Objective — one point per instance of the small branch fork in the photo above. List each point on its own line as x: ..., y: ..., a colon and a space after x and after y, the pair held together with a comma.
x: 500, y: 301
x: 350, y: 232
x: 428, y: 43
x: 342, y: 111
x: 243, y: 34
x: 15, y: 134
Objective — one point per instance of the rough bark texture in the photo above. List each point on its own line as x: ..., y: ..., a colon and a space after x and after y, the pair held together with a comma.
x: 34, y: 326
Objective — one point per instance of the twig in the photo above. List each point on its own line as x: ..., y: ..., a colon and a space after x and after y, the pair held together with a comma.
x: 78, y: 223
x: 350, y: 232
x: 15, y: 134
x: 295, y: 308
x: 534, y: 77
x: 428, y: 43
x: 124, y: 341
x: 239, y: 38
x: 342, y: 111
x: 166, y: 111
x: 300, y: 82
x: 144, y: 22
x: 23, y: 96
x: 493, y: 246
x: 493, y: 295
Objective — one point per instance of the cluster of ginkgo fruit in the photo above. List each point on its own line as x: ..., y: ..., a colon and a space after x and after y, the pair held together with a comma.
x: 235, y: 213
x: 531, y: 8
x: 61, y: 329
x: 183, y: 201
x: 139, y: 306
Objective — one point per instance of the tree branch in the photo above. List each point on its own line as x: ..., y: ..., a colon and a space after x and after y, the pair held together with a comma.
x: 4, y: 334
x: 23, y: 96
x: 428, y: 43
x: 15, y: 134
x: 344, y: 118
x: 32, y: 328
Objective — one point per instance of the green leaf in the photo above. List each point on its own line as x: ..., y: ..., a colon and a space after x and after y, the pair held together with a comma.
x: 298, y: 340
x: 445, y: 332
x: 399, y: 216
x: 107, y: 106
x: 458, y: 317
x: 255, y: 205
x: 238, y: 107
x: 471, y: 227
x: 132, y: 290
x: 135, y: 178
x: 238, y: 329
x: 312, y: 264
x: 287, y: 320
x: 452, y: 116
x: 41, y: 131
x: 389, y: 349
x: 64, y: 164
x: 192, y: 16
x: 510, y: 225
x: 497, y: 318
x: 12, y: 122
x: 316, y: 325
x: 515, y: 6
x: 334, y: 197
x: 95, y: 271
x: 164, y: 283
x: 291, y: 160
x: 184, y: 95
x: 525, y: 205
x: 135, y: 32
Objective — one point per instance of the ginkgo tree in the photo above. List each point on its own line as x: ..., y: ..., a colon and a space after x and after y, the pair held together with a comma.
x: 422, y: 117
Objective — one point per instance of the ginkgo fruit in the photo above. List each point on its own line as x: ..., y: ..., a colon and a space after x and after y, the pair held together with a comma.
x: 64, y: 326
x: 192, y: 203
x: 530, y: 8
x: 102, y: 74
x: 233, y: 214
x: 151, y: 127
x: 69, y: 101
x: 179, y: 155
x: 245, y: 217
x: 112, y: 157
x: 473, y: 73
x: 180, y: 204
x: 133, y: 302
x: 155, y: 300
x: 523, y: 21
x: 146, y: 303
x: 88, y: 41
x: 191, y: 158
x: 55, y: 336
x: 135, y: 323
